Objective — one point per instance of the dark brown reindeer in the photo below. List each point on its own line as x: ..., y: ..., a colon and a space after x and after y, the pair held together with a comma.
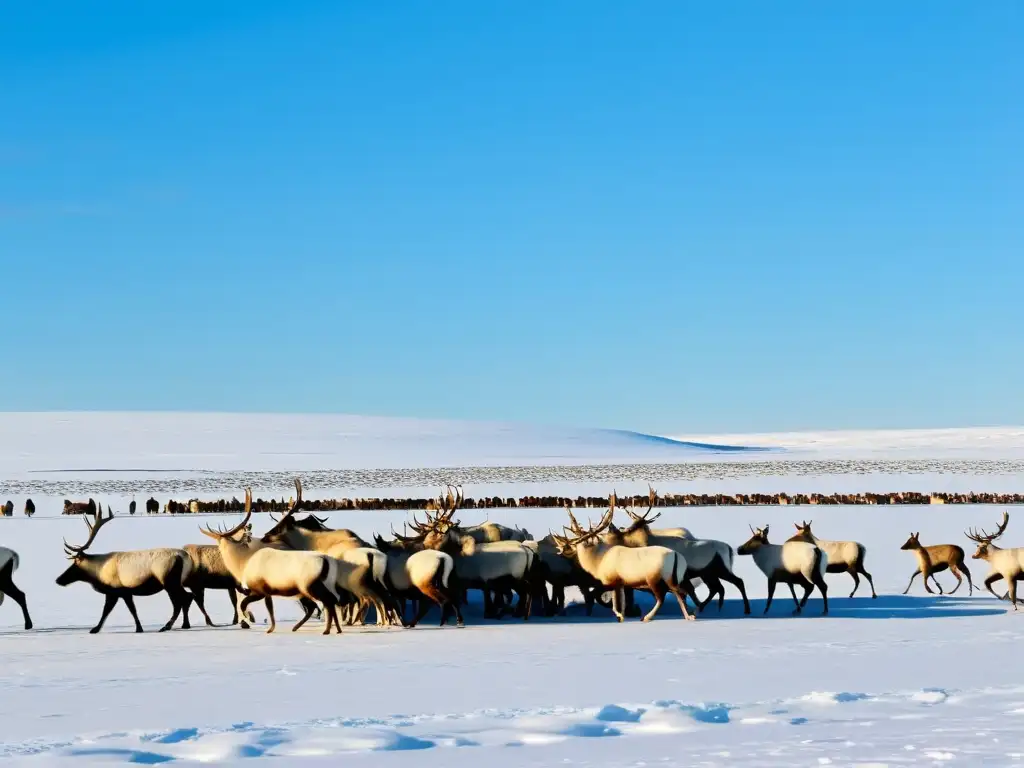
x: 127, y: 575
x: 935, y: 559
x: 79, y: 507
x: 9, y: 562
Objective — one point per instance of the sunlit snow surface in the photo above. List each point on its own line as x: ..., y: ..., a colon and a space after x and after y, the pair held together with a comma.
x: 916, y: 680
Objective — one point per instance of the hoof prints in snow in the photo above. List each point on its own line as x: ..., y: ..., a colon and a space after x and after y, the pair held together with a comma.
x: 917, y: 727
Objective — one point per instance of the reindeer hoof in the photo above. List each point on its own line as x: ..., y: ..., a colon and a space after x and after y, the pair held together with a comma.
x: 269, y: 630
x: 691, y: 617
x: 243, y: 624
x: 28, y: 625
x: 94, y: 631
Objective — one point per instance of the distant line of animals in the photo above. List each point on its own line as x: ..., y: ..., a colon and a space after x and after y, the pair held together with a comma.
x: 340, y: 576
x: 194, y: 506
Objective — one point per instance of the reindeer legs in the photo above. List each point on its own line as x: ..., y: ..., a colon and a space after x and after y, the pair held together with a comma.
x: 771, y: 594
x: 109, y: 602
x: 912, y: 577
x: 267, y: 601
x: 7, y: 588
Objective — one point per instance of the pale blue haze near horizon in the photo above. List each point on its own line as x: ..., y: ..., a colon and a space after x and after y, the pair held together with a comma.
x: 670, y: 217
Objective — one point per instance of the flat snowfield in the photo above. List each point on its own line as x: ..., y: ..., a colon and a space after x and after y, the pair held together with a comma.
x: 915, y: 680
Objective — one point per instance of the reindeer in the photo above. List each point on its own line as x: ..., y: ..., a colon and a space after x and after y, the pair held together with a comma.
x: 289, y: 533
x: 1003, y: 563
x: 843, y: 556
x: 210, y: 572
x: 792, y: 563
x: 152, y: 506
x: 30, y: 508
x: 497, y: 567
x: 79, y: 507
x: 9, y: 562
x: 935, y: 559
x: 424, y: 575
x: 560, y: 572
x: 8, y: 509
x: 127, y: 575
x: 265, y: 572
x: 707, y: 560
x: 658, y: 569
x: 311, y: 535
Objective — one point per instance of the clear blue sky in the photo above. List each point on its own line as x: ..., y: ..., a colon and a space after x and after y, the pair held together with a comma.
x: 694, y: 217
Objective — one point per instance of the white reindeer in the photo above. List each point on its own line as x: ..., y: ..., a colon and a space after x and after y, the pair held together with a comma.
x: 266, y: 572
x: 707, y: 560
x: 792, y: 563
x: 1003, y: 563
x: 127, y: 575
x: 496, y: 568
x: 425, y: 575
x: 658, y: 569
x: 843, y: 556
x: 9, y: 562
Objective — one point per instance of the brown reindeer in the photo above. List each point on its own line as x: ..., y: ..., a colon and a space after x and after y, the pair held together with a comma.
x: 935, y: 559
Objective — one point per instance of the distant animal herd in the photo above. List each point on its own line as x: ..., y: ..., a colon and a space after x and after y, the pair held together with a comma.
x: 341, y: 577
x: 222, y: 506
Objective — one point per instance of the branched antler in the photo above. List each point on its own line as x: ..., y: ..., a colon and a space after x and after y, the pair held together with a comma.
x: 985, y: 537
x: 74, y: 551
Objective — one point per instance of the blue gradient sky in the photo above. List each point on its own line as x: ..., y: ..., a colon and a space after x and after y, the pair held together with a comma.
x: 701, y: 217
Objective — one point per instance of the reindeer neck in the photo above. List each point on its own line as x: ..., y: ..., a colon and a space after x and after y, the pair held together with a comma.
x: 93, y: 564
x: 590, y: 556
x: 235, y: 554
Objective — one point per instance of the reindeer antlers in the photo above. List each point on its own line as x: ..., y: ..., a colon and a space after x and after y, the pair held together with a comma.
x: 220, y: 534
x: 73, y: 551
x: 645, y: 519
x: 577, y: 531
x: 985, y: 537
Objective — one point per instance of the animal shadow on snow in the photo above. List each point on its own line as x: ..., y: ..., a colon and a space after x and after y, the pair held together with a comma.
x: 882, y: 607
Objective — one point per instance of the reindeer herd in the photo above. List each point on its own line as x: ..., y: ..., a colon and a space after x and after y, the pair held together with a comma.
x: 340, y: 577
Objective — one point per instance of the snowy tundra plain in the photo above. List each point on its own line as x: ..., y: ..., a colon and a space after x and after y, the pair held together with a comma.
x: 914, y: 680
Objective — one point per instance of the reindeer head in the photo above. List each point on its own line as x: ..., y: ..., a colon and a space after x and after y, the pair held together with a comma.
x: 641, y: 521
x: 576, y: 536
x: 77, y: 554
x: 279, y: 533
x: 400, y: 541
x: 984, y: 539
x: 803, y: 532
x: 913, y: 542
x: 759, y: 539
x: 441, y: 529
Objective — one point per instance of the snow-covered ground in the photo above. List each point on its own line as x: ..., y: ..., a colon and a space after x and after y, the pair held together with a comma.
x: 916, y: 680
